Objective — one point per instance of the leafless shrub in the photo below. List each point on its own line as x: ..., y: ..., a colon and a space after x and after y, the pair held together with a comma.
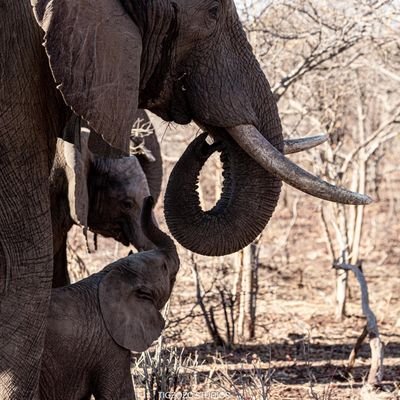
x: 164, y: 371
x: 140, y: 130
x: 251, y: 381
x: 208, y: 311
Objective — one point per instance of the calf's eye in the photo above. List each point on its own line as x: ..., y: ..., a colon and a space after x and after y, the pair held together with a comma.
x: 128, y: 204
x: 144, y: 294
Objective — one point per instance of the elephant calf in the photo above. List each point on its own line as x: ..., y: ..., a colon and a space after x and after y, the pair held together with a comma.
x: 103, y: 194
x: 93, y: 324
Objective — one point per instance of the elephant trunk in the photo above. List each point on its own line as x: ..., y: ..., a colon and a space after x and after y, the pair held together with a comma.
x: 246, y: 203
x: 152, y: 232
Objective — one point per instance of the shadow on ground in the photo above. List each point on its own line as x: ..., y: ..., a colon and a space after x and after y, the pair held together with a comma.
x: 295, y: 363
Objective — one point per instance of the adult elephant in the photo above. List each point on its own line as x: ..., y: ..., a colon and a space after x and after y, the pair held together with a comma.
x: 184, y: 60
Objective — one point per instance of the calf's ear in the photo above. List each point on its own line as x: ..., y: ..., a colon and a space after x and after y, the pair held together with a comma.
x: 132, y: 320
x: 94, y: 50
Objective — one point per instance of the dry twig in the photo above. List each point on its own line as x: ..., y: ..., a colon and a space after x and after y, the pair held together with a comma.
x: 376, y: 371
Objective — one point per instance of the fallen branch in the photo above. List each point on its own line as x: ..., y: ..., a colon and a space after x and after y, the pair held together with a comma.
x: 376, y: 371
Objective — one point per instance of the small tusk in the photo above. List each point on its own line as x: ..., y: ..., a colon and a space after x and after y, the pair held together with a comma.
x: 273, y: 161
x: 291, y: 146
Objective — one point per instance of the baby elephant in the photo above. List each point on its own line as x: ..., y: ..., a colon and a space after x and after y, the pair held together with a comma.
x: 103, y: 194
x: 93, y: 324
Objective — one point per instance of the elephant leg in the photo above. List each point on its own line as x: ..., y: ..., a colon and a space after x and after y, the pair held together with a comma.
x: 127, y: 388
x: 114, y: 381
x: 28, y: 104
x: 124, y: 391
x: 60, y: 275
x: 25, y: 265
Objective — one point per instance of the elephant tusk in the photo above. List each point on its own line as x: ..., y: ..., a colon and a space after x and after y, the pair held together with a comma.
x: 291, y: 146
x: 272, y: 160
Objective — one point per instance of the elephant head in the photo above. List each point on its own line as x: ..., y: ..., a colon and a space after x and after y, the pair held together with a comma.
x: 116, y: 189
x: 103, y: 194
x: 93, y: 324
x: 111, y: 56
x: 139, y: 288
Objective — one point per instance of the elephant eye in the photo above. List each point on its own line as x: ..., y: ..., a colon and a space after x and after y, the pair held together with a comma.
x: 128, y: 204
x: 214, y: 11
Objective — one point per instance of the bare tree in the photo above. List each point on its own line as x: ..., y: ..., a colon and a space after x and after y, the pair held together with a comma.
x: 334, y: 69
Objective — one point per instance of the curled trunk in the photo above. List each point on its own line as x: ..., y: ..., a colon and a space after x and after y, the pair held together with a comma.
x: 248, y: 199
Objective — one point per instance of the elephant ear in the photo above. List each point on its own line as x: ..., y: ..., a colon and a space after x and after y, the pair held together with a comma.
x: 78, y: 158
x: 132, y: 320
x: 94, y: 50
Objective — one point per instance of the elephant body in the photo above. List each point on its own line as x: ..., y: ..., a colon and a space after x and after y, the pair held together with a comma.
x: 95, y: 323
x: 29, y: 124
x: 80, y: 357
x: 112, y: 191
